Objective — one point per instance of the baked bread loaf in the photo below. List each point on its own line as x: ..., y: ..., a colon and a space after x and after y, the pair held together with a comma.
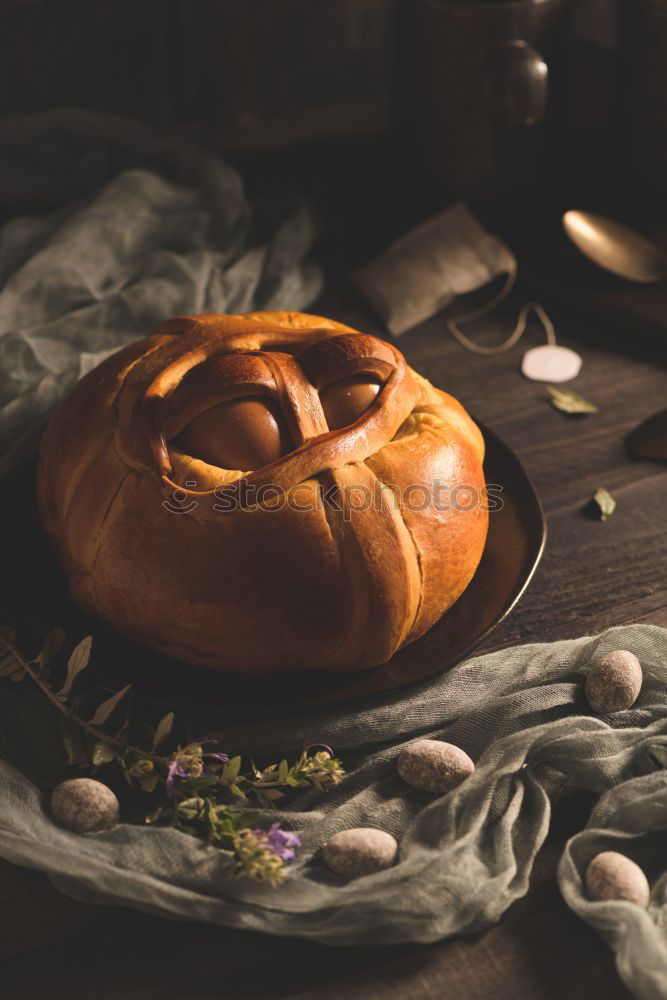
x: 264, y: 492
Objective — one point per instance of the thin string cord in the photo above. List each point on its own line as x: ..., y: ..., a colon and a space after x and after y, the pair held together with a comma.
x: 514, y: 337
x: 518, y: 331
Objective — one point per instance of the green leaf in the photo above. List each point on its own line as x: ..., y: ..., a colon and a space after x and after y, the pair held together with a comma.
x: 106, y: 708
x: 141, y: 767
x: 235, y: 790
x: 102, y: 754
x: 283, y: 771
x: 50, y: 647
x: 230, y: 771
x: 150, y: 782
x: 205, y: 781
x: 569, y: 402
x: 164, y: 727
x: 77, y: 662
x: 272, y: 794
x: 605, y: 503
x: 192, y: 809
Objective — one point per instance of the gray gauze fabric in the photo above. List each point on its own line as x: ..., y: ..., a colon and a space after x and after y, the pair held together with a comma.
x: 463, y: 857
x: 140, y: 227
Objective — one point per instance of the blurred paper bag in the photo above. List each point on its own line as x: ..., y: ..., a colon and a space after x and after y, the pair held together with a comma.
x: 424, y: 270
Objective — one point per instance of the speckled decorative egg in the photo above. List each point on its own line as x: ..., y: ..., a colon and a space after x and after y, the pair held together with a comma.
x: 611, y: 875
x: 85, y: 805
x: 360, y: 851
x: 434, y: 766
x: 614, y: 682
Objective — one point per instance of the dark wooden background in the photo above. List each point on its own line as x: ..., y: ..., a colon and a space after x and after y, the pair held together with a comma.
x: 259, y: 73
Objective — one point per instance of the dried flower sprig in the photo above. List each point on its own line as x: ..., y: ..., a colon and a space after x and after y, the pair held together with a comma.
x: 263, y: 854
x: 15, y: 667
x: 196, y: 787
x: 320, y: 770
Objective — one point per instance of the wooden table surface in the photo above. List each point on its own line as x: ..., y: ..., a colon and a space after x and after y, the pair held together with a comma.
x: 593, y: 575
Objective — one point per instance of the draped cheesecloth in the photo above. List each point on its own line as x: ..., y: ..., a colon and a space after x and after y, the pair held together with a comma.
x: 112, y: 228
x: 463, y: 857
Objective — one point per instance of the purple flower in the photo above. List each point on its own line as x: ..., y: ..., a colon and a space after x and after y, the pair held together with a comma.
x: 189, y: 763
x: 280, y: 842
x: 175, y: 771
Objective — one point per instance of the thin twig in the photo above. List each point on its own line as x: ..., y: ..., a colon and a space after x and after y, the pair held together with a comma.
x: 61, y: 706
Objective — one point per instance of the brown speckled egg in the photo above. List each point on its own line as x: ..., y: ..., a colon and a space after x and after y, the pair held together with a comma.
x: 84, y: 805
x: 614, y: 682
x: 611, y: 875
x: 434, y: 766
x: 360, y: 851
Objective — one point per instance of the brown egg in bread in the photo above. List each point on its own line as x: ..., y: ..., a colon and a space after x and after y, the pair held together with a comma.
x: 336, y: 545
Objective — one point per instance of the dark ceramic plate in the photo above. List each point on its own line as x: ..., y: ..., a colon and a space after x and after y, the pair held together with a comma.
x: 514, y: 546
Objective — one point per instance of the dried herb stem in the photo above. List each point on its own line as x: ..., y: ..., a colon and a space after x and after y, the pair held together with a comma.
x: 99, y: 734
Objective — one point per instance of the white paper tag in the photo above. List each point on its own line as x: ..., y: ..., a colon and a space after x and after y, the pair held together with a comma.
x: 551, y: 363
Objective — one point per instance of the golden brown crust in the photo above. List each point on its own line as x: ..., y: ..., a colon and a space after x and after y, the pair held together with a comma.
x: 339, y: 567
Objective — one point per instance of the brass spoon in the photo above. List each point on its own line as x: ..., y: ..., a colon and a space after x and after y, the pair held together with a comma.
x: 624, y: 252
x: 616, y: 247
